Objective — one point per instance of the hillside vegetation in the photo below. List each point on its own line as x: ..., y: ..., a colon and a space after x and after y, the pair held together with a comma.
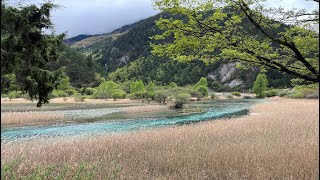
x: 127, y: 56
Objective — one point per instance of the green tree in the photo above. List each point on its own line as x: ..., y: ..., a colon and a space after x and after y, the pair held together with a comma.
x: 106, y: 89
x: 181, y: 99
x: 172, y: 85
x: 202, y: 82
x: 260, y: 85
x: 238, y: 30
x: 137, y: 86
x: 161, y: 96
x: 203, y: 91
x: 26, y: 49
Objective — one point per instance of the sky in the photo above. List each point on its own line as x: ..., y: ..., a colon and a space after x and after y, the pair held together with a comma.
x: 76, y: 17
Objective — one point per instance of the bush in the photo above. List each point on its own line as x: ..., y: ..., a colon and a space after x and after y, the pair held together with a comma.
x: 312, y: 96
x: 4, y: 95
x: 181, y: 99
x: 119, y: 94
x: 90, y: 91
x: 236, y: 94
x: 12, y: 94
x: 283, y: 93
x: 203, y: 91
x: 106, y: 89
x: 194, y: 93
x: 138, y: 95
x: 161, y: 96
x: 53, y: 94
x: 172, y: 85
x: 272, y: 92
x: 79, y: 98
x: 296, y: 95
x: 71, y: 92
x: 229, y: 96
x: 213, y: 96
x: 60, y: 93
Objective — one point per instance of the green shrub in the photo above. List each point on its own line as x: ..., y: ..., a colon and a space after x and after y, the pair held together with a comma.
x: 53, y: 94
x: 283, y: 93
x: 79, y: 98
x: 172, y: 85
x: 203, y: 91
x: 71, y: 92
x: 161, y: 96
x: 138, y: 95
x: 4, y: 95
x: 119, y: 94
x: 60, y: 93
x: 312, y: 96
x: 272, y: 92
x: 106, y: 89
x: 12, y: 94
x: 236, y: 94
x: 229, y: 96
x: 194, y: 92
x: 296, y: 95
x: 213, y: 96
x: 181, y: 99
x: 311, y: 90
x: 90, y: 91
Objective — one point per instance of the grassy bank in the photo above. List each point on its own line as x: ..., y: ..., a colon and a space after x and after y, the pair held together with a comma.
x: 279, y: 140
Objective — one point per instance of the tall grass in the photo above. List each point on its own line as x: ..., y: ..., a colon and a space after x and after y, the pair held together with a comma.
x: 28, y: 117
x: 279, y: 140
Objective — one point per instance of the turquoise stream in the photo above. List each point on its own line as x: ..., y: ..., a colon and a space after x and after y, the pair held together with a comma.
x: 214, y: 109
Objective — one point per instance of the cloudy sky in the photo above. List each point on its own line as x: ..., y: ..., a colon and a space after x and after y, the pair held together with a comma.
x: 101, y: 16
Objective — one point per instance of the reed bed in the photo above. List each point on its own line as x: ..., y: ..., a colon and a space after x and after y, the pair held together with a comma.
x: 145, y: 108
x: 29, y: 118
x: 279, y: 140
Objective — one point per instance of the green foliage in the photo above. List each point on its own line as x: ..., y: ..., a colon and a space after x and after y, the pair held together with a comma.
x: 71, y: 92
x: 236, y: 94
x: 283, y: 93
x: 161, y: 96
x: 106, y: 89
x: 172, y: 85
x: 79, y: 98
x: 304, y: 91
x: 296, y: 95
x: 181, y: 99
x: 202, y: 82
x: 272, y: 92
x: 260, y: 85
x: 12, y: 95
x: 60, y: 93
x: 237, y: 31
x: 26, y: 49
x: 90, y: 91
x: 76, y: 67
x: 203, y: 90
x: 137, y: 86
x: 119, y: 94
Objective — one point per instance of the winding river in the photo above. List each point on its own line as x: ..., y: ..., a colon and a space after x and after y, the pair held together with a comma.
x: 213, y: 110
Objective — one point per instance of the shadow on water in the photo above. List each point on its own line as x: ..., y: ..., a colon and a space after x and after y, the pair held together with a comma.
x: 213, y: 110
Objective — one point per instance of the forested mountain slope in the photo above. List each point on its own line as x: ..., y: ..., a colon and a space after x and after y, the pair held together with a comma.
x: 125, y: 55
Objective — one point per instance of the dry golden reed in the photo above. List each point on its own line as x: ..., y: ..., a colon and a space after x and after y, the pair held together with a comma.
x: 279, y: 140
x: 28, y: 117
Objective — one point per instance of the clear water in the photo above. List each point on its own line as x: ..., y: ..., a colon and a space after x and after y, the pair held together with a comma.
x: 214, y: 109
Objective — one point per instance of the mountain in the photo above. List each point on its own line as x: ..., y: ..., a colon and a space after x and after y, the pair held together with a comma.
x: 125, y: 55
